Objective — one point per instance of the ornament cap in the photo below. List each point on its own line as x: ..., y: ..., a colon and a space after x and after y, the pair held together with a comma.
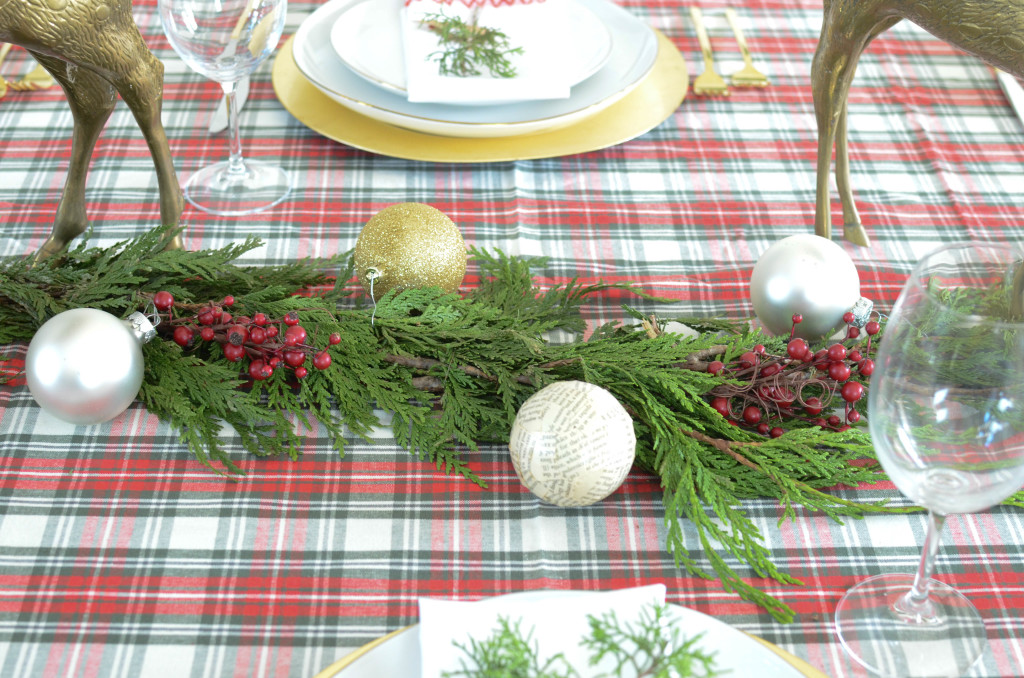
x: 141, y: 326
x: 862, y: 312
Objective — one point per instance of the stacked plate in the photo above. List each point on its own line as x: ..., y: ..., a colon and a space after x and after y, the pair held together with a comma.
x: 351, y: 51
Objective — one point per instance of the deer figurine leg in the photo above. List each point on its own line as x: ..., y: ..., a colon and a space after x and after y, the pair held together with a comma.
x: 91, y: 99
x: 142, y: 91
x: 853, y: 230
x: 844, y: 35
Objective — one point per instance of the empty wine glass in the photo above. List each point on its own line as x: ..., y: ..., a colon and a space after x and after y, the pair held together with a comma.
x: 226, y: 40
x: 946, y: 413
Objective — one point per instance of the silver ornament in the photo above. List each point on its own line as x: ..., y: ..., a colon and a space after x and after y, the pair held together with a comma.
x: 804, y: 274
x: 85, y: 366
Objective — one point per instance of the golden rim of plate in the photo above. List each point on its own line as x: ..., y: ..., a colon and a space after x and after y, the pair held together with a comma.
x: 332, y: 671
x: 649, y: 104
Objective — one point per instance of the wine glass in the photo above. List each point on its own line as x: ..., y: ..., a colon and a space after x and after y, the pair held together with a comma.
x: 946, y: 413
x: 226, y: 40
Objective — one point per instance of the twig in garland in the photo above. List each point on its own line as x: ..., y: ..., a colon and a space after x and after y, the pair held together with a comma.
x: 731, y: 447
x: 427, y: 364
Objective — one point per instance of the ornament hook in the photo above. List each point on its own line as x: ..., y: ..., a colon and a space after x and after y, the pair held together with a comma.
x: 372, y: 274
x: 153, y: 314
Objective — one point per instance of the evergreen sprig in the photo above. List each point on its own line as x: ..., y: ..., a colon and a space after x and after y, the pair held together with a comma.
x: 467, y: 47
x: 649, y: 647
x: 453, y: 371
x: 508, y: 653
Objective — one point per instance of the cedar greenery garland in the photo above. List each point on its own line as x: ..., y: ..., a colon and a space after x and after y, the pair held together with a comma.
x: 454, y: 370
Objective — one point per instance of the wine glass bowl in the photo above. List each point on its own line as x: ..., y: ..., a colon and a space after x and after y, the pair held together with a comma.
x: 946, y: 415
x: 226, y: 40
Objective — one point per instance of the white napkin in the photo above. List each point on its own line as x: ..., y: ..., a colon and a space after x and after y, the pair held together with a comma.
x: 558, y: 620
x: 530, y: 26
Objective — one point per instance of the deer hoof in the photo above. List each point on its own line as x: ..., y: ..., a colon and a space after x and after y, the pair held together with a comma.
x: 50, y: 247
x: 856, y: 234
x: 175, y: 243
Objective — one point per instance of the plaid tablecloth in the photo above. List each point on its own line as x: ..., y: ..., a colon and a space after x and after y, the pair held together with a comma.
x: 121, y: 556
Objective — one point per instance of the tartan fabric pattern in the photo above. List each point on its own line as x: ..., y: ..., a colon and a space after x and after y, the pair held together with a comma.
x: 121, y: 556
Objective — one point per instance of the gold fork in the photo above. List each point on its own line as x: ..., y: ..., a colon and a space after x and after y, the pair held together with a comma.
x: 37, y: 78
x: 748, y: 76
x: 707, y: 82
x: 5, y: 48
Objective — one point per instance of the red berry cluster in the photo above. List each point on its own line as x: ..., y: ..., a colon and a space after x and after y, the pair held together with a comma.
x: 268, y: 343
x: 772, y: 387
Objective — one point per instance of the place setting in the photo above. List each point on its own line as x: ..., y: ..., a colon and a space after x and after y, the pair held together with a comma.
x: 368, y: 73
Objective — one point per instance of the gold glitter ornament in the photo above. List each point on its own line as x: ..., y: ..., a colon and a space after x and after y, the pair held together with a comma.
x: 409, y: 245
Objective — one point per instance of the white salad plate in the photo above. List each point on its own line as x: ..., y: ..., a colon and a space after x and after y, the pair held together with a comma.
x: 737, y: 654
x: 367, y: 36
x: 634, y: 48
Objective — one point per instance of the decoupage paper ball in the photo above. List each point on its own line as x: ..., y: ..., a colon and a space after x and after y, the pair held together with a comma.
x: 409, y: 245
x: 804, y: 274
x: 85, y: 366
x: 572, y: 443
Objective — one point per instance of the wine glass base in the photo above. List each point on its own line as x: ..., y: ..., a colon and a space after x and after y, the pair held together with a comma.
x: 945, y: 642
x: 229, y: 191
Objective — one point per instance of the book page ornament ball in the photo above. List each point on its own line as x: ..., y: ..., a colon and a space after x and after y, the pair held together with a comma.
x: 409, y: 245
x: 572, y: 443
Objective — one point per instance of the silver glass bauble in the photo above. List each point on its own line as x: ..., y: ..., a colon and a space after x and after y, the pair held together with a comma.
x: 804, y: 274
x: 85, y: 366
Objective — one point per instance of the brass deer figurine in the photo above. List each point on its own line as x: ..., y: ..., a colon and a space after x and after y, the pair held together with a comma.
x: 95, y: 51
x: 990, y: 29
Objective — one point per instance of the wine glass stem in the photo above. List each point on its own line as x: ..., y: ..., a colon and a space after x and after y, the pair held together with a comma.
x: 235, y: 164
x: 915, y: 605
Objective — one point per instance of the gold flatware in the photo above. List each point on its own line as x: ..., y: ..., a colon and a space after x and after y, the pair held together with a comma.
x: 748, y: 76
x: 5, y: 48
x: 708, y: 82
x: 37, y: 78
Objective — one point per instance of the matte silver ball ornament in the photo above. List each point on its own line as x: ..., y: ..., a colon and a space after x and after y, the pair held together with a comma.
x: 804, y: 274
x: 85, y: 366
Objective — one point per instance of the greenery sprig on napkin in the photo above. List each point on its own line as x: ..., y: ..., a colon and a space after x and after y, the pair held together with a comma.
x: 649, y: 647
x: 467, y: 47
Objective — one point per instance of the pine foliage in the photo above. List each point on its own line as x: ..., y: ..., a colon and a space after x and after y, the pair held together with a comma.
x: 453, y: 371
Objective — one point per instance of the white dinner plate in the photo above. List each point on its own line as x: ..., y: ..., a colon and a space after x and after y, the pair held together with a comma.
x: 737, y: 654
x: 367, y: 36
x: 634, y: 48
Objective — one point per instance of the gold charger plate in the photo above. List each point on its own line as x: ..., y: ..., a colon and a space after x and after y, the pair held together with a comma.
x: 646, y: 107
x: 332, y: 671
